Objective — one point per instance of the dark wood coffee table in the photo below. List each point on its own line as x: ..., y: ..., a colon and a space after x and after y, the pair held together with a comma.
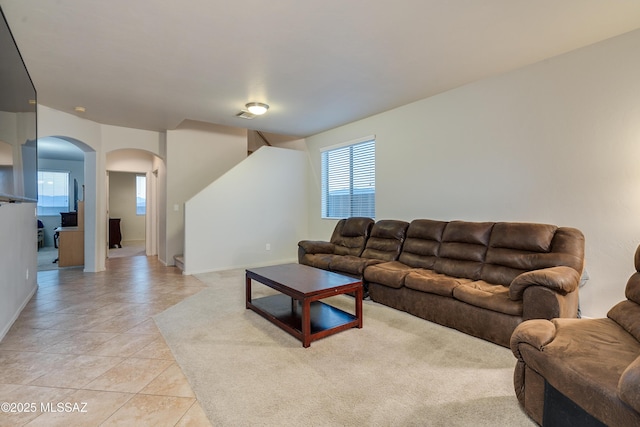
x: 297, y: 308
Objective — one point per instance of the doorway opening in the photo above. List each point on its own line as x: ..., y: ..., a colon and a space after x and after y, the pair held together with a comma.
x: 132, y: 208
x: 127, y: 214
x: 61, y: 182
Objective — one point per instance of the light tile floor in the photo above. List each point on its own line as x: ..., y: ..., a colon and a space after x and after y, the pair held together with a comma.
x: 87, y: 341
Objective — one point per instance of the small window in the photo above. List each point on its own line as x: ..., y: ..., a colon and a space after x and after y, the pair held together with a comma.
x: 53, y: 193
x: 349, y: 180
x: 141, y: 194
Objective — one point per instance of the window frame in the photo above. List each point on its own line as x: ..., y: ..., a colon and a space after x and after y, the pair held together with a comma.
x: 344, y: 167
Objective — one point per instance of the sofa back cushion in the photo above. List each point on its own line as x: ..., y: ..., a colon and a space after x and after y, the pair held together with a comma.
x: 386, y: 239
x: 463, y: 249
x: 632, y: 291
x: 350, y: 235
x: 516, y: 248
x: 627, y: 313
x: 421, y: 247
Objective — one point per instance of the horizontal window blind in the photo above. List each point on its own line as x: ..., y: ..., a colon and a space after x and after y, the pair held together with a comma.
x: 348, y: 181
x: 53, y: 192
x: 141, y: 195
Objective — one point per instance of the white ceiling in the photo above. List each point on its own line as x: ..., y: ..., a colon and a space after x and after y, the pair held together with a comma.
x: 150, y: 64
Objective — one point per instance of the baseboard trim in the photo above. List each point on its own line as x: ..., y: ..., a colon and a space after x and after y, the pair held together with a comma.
x: 6, y: 329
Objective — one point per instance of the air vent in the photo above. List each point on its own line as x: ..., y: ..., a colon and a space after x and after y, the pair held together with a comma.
x: 245, y: 115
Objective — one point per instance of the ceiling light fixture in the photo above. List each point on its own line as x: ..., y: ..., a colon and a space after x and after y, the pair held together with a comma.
x: 257, y: 108
x: 79, y: 109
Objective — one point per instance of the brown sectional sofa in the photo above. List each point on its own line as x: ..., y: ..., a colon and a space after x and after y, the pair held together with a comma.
x: 482, y: 278
x: 582, y: 371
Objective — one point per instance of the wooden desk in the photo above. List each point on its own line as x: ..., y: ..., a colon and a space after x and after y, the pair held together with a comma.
x: 70, y: 246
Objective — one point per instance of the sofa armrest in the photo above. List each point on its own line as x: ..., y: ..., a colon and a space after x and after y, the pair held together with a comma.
x: 313, y: 247
x: 535, y: 332
x: 529, y: 337
x: 560, y: 279
x: 316, y: 247
x: 629, y: 383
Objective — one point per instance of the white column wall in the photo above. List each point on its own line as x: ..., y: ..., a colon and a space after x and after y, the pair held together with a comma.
x: 56, y: 123
x: 197, y: 154
x: 18, y: 260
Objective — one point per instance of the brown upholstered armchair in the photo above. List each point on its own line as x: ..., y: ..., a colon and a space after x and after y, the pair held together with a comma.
x: 582, y: 371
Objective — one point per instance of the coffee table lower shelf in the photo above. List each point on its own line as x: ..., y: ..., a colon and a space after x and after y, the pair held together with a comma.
x: 286, y: 313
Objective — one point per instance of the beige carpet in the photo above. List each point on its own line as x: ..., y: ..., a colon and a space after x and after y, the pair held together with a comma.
x: 398, y: 370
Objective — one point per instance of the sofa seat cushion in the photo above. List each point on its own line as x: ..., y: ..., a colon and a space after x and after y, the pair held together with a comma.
x: 597, y: 350
x: 349, y: 264
x: 389, y: 274
x: 487, y: 295
x: 435, y: 283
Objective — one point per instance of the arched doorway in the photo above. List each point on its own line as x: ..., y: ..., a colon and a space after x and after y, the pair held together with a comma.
x: 70, y: 159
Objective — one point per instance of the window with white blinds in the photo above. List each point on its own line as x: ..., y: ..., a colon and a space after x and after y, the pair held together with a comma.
x: 349, y: 180
x: 141, y: 195
x: 53, y: 193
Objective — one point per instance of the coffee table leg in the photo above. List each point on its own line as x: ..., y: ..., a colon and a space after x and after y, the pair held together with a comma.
x: 306, y: 323
x: 359, y: 306
x: 248, y: 291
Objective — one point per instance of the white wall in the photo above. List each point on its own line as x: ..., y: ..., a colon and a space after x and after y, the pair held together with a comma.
x: 129, y: 160
x: 197, y: 154
x: 18, y: 260
x: 260, y: 201
x: 117, y: 138
x: 555, y: 142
